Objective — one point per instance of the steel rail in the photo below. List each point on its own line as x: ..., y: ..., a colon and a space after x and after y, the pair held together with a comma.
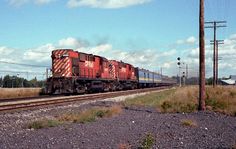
x: 56, y: 101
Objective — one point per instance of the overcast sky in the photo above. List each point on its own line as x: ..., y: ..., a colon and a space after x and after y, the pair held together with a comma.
x: 146, y: 33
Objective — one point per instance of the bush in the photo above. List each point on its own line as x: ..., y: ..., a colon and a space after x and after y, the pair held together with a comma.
x: 216, y: 104
x: 39, y: 124
x: 166, y: 105
x: 187, y: 108
x: 188, y: 122
x: 147, y: 142
x: 101, y: 113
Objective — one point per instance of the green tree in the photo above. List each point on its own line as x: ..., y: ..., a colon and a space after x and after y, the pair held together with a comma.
x: 209, y: 81
x: 15, y: 81
x: 1, y: 82
x: 7, y: 81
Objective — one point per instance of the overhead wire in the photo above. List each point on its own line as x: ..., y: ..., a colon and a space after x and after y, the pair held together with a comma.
x: 22, y: 64
x: 26, y: 72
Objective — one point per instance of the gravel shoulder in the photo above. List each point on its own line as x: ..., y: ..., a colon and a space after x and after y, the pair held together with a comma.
x: 213, y: 130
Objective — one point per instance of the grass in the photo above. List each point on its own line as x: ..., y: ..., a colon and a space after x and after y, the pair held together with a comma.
x: 7, y: 93
x: 152, y: 99
x: 86, y: 116
x: 45, y: 123
x: 220, y: 99
x: 90, y: 115
x: 147, y: 142
x: 188, y: 122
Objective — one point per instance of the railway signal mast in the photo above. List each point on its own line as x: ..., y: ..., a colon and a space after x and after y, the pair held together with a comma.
x: 183, y: 74
x: 179, y: 63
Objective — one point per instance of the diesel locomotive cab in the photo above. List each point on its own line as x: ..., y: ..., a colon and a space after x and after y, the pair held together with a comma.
x: 61, y: 80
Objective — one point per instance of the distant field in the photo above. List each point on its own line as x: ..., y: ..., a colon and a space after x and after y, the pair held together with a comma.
x: 220, y: 99
x: 19, y: 92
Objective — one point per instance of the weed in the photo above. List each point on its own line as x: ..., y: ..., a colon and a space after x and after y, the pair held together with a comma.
x: 91, y: 115
x: 188, y: 122
x: 216, y: 104
x: 166, y: 105
x: 101, y: 113
x: 147, y: 142
x: 187, y: 108
x: 85, y: 116
x: 39, y: 124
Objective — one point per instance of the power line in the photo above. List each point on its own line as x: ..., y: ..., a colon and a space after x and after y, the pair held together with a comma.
x: 26, y: 72
x: 21, y: 64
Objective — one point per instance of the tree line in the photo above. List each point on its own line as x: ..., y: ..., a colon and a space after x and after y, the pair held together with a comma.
x: 17, y: 82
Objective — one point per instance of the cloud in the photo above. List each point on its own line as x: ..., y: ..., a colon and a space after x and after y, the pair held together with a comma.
x: 100, y: 49
x: 72, y: 43
x: 18, y: 3
x: 39, y: 54
x: 5, y: 51
x: 233, y: 37
x: 106, y: 4
x: 43, y: 2
x: 227, y: 57
x: 152, y: 59
x: 190, y: 41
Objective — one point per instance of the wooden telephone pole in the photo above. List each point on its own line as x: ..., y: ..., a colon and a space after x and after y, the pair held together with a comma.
x: 217, y: 57
x: 202, y: 88
x: 215, y: 25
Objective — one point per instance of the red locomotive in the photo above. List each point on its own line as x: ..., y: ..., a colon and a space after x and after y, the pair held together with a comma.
x: 76, y: 72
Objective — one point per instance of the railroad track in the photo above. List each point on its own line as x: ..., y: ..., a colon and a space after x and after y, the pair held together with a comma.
x: 29, y: 98
x: 30, y: 103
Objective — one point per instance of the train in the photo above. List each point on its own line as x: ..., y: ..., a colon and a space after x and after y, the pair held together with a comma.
x: 76, y: 72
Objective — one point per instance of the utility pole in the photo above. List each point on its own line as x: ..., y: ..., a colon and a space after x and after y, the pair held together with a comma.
x: 161, y: 71
x: 46, y: 74
x: 217, y: 57
x: 215, y: 25
x: 186, y: 76
x: 180, y: 77
x: 202, y: 88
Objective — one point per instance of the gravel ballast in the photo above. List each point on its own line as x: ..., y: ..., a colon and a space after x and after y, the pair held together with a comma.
x: 212, y: 130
